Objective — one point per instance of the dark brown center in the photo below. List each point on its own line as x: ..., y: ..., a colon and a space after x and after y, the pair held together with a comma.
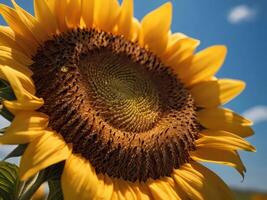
x: 119, y: 106
x: 120, y: 91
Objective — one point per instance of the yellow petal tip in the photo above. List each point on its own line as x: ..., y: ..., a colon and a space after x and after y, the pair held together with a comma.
x: 167, y: 5
x: 253, y: 149
x: 241, y: 85
x: 222, y: 48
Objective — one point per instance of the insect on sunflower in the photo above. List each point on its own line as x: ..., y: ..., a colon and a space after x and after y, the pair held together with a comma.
x: 128, y: 105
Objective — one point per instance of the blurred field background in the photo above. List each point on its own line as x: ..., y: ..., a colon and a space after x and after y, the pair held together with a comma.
x: 242, y: 26
x: 250, y: 195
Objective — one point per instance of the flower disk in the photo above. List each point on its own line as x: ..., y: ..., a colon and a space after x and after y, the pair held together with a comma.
x: 118, y: 105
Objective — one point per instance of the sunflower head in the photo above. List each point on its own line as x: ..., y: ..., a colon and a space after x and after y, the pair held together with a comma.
x: 128, y: 105
x: 121, y: 98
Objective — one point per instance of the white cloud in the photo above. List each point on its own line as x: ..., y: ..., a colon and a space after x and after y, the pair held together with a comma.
x: 241, y: 13
x: 257, y: 114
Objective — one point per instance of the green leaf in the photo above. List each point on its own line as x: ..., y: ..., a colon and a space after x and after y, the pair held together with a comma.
x: 53, y: 174
x: 3, y: 83
x: 6, y: 91
x: 18, y: 151
x: 9, y: 181
x: 26, y: 185
x: 55, y: 191
x: 30, y: 188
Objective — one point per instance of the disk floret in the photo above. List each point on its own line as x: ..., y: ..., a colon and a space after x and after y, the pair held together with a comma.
x: 117, y: 103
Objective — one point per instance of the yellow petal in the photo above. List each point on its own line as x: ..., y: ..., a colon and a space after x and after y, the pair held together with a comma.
x: 73, y: 13
x: 88, y: 12
x: 16, y: 59
x: 24, y: 90
x: 106, y: 14
x: 59, y: 8
x: 54, y: 9
x: 7, y: 53
x: 204, y: 65
x: 192, y: 190
x: 124, y: 190
x: 105, y: 187
x: 40, y: 194
x: 125, y: 18
x: 33, y: 26
x: 200, y: 183
x: 21, y: 84
x: 141, y: 190
x: 79, y: 179
x: 10, y: 39
x: 135, y: 31
x: 181, y: 50
x: 177, y: 188
x: 45, y: 16
x: 13, y: 20
x: 28, y: 105
x: 220, y: 187
x: 25, y: 127
x: 44, y: 151
x: 214, y: 93
x: 223, y: 140
x: 179, y: 42
x: 161, y: 189
x: 225, y: 119
x: 219, y: 156
x: 155, y: 27
x: 114, y: 195
x: 174, y: 38
x: 51, y: 4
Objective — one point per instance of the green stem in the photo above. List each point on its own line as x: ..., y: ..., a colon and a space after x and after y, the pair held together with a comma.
x: 30, y: 192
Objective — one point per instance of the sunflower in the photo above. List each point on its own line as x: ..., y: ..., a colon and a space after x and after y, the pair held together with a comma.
x: 128, y: 106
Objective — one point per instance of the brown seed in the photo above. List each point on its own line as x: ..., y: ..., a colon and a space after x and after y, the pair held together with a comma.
x: 117, y: 103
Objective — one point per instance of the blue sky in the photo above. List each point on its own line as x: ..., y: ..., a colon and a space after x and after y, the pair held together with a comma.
x: 242, y: 26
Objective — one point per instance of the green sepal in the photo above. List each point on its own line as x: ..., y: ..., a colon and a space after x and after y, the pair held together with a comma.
x: 6, y: 91
x: 55, y: 191
x: 53, y: 174
x: 9, y: 181
x: 6, y: 114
